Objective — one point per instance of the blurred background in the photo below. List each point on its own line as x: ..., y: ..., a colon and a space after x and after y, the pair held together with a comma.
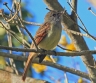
x: 35, y: 11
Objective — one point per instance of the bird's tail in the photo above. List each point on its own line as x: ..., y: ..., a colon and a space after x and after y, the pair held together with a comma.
x: 28, y: 64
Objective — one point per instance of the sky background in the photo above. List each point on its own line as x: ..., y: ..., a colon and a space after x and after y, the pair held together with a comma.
x: 38, y: 10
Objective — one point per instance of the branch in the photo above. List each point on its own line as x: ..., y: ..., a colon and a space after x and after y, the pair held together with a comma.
x: 7, y: 77
x: 54, y: 65
x: 74, y: 14
x: 92, y: 11
x: 73, y: 53
x: 31, y: 23
x: 77, y: 33
x: 78, y: 41
x: 73, y: 5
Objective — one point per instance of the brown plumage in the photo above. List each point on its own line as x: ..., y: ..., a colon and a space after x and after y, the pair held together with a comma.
x: 41, y: 33
x: 50, y: 29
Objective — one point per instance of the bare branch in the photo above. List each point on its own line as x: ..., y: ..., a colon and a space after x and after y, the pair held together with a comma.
x: 91, y: 11
x: 31, y: 23
x: 74, y: 9
x: 73, y: 53
x: 55, y: 65
x: 8, y: 77
x: 20, y: 20
x: 14, y: 34
x: 10, y: 51
x: 77, y: 33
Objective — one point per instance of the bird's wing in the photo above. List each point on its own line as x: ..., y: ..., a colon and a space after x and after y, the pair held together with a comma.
x: 42, y: 32
x: 40, y: 35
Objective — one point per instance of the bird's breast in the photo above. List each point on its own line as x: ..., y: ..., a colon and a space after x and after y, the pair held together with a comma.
x: 52, y: 38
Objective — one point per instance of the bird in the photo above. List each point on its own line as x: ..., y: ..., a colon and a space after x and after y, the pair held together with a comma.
x: 47, y: 37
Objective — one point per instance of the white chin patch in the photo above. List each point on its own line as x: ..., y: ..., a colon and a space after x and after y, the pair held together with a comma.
x: 57, y: 19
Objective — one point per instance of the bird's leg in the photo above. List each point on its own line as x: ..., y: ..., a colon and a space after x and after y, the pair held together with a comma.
x: 55, y: 53
x: 42, y: 56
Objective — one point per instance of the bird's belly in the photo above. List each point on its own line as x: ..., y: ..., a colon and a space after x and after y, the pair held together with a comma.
x: 51, y: 40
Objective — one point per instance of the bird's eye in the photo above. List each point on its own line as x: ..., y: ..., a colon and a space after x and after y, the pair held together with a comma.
x: 54, y: 15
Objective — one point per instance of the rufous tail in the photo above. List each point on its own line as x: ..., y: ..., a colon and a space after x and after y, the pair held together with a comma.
x: 28, y: 64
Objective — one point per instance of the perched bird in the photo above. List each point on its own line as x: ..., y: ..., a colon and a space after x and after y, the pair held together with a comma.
x: 47, y: 36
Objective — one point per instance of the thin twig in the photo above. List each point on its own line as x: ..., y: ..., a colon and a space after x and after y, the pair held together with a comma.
x: 31, y: 37
x: 31, y: 23
x: 66, y: 77
x: 77, y: 33
x: 92, y: 11
x: 12, y: 12
x: 14, y: 35
x: 92, y: 37
x: 12, y: 19
x: 51, y: 57
x: 10, y: 43
x: 21, y: 32
x: 28, y: 32
x: 81, y: 27
x: 66, y: 49
x: 10, y: 51
x: 23, y: 25
x: 77, y: 16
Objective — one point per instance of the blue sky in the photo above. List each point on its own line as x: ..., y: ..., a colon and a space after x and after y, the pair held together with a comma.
x: 38, y: 7
x: 38, y: 10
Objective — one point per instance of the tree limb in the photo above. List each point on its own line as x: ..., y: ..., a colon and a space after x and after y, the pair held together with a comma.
x: 54, y: 65
x: 78, y: 41
x: 71, y: 53
x: 7, y: 77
